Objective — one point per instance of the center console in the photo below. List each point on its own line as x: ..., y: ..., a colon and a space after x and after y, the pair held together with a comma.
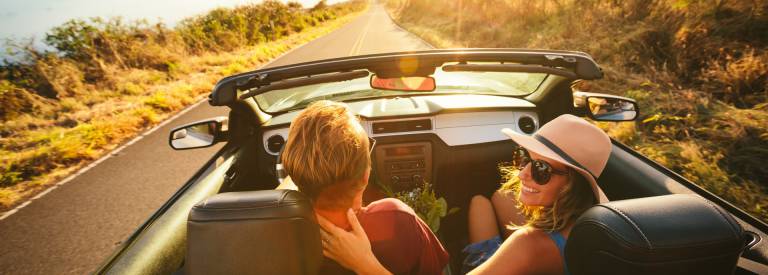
x: 405, y: 165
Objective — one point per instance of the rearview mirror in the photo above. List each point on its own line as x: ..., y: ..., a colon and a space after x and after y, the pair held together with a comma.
x: 410, y: 83
x: 604, y: 107
x: 199, y: 134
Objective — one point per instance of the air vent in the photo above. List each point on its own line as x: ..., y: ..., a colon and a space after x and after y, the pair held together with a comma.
x: 274, y: 143
x: 526, y: 124
x: 402, y: 126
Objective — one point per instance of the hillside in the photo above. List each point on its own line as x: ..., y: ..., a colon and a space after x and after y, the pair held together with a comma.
x: 108, y: 80
x: 699, y: 70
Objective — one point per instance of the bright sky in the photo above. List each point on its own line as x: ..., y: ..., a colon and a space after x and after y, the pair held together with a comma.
x: 26, y: 18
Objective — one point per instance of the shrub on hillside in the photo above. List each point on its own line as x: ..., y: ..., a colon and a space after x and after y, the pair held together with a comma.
x: 224, y: 29
x: 89, y: 52
x: 98, y: 43
x: 720, y: 43
x: 15, y: 101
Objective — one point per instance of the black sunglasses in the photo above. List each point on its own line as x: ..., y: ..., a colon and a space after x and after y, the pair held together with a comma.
x: 541, y: 171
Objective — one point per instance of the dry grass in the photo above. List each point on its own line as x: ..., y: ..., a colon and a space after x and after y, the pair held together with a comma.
x: 46, y: 139
x: 699, y: 70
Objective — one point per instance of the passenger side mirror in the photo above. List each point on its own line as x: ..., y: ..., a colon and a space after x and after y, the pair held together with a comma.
x: 604, y: 107
x: 409, y: 83
x: 199, y: 134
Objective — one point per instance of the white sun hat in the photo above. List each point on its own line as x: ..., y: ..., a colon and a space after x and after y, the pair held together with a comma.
x: 571, y: 141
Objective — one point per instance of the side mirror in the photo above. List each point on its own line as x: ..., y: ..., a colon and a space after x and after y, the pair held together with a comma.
x: 409, y: 83
x: 604, y: 107
x: 199, y: 134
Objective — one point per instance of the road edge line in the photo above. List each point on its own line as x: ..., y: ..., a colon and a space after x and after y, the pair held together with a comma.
x: 429, y: 45
x: 359, y: 43
x: 305, y: 43
x: 112, y: 153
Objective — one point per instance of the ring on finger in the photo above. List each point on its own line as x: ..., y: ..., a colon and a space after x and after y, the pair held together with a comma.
x: 324, y: 236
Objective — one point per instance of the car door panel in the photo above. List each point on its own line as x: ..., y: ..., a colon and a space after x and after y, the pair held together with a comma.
x: 158, y: 246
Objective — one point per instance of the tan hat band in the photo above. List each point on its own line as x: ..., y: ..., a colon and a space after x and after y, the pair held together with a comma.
x: 562, y: 153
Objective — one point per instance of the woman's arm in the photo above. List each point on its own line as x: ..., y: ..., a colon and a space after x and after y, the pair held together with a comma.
x: 508, y: 259
x: 526, y: 251
x: 351, y: 250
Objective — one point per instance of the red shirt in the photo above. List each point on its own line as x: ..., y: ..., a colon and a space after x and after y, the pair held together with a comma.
x: 401, y: 241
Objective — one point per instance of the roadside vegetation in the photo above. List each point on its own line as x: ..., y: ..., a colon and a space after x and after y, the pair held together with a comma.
x: 699, y: 70
x: 106, y: 80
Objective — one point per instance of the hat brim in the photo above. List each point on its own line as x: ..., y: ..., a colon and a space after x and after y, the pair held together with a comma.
x: 533, y: 145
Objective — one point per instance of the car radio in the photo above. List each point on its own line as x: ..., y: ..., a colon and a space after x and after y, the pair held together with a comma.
x: 405, y: 165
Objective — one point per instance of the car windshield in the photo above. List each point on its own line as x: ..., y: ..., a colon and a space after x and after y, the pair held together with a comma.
x: 487, y: 83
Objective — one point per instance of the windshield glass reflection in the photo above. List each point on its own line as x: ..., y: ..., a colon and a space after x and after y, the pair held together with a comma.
x: 487, y: 83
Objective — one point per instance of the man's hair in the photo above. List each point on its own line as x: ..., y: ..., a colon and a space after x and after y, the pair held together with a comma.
x: 327, y: 154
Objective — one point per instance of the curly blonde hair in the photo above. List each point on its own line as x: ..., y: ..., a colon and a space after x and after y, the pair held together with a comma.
x: 574, y: 198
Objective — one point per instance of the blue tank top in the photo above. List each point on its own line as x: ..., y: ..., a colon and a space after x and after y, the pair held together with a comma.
x: 560, y: 242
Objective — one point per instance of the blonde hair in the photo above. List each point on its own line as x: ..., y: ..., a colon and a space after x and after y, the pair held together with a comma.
x: 574, y: 198
x: 327, y: 155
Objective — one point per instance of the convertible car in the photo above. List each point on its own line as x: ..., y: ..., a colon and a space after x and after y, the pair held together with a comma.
x: 436, y: 118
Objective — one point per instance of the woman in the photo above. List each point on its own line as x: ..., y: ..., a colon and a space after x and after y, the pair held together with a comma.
x: 556, y: 185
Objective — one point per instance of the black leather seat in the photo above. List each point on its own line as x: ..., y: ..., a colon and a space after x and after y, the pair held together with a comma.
x: 255, y: 232
x: 674, y: 234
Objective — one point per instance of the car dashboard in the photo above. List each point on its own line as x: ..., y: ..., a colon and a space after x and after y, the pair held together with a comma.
x: 414, y: 133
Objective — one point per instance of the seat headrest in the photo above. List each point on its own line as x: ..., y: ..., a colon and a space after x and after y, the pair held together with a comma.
x: 674, y: 234
x: 256, y: 232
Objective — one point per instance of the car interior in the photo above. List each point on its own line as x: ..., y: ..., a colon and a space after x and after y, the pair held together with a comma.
x: 459, y: 151
x: 453, y: 142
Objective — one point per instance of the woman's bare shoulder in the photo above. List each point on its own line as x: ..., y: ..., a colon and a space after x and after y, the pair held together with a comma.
x: 527, y: 239
x: 526, y: 251
x: 543, y: 257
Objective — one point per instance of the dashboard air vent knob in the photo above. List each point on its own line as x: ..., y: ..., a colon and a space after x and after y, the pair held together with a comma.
x: 527, y: 125
x: 274, y: 143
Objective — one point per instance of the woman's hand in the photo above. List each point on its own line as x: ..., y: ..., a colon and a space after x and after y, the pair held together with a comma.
x: 351, y: 250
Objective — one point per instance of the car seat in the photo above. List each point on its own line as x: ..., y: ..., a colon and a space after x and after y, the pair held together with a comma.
x: 673, y: 234
x: 254, y: 232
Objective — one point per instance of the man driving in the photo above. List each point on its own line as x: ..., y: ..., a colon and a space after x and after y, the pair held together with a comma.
x: 327, y: 156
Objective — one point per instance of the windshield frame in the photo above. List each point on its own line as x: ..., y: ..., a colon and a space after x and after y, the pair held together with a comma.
x: 225, y: 92
x: 496, y: 78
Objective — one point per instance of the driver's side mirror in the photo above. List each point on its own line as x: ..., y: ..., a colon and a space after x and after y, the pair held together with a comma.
x: 604, y: 107
x: 199, y: 134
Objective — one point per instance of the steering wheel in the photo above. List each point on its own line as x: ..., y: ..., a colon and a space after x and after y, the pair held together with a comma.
x: 280, y: 173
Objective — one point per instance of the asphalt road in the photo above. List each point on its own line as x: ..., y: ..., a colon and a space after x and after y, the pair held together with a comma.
x: 73, y: 228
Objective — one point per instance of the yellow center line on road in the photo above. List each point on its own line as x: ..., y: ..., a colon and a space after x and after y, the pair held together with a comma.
x: 359, y: 43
